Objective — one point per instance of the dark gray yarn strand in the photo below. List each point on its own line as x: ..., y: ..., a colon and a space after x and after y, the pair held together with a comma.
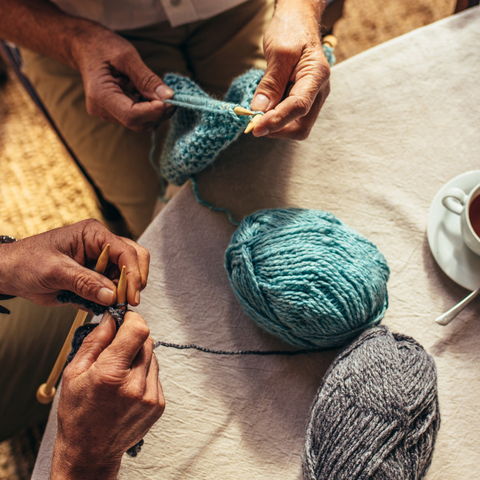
x: 192, y: 346
x: 118, y: 314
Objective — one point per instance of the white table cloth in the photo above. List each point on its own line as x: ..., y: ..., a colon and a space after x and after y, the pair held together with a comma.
x: 401, y: 121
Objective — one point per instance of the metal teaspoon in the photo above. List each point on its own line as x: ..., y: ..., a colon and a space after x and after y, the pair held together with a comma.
x: 447, y: 317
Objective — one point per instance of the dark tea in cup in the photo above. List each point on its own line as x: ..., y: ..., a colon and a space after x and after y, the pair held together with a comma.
x: 474, y: 214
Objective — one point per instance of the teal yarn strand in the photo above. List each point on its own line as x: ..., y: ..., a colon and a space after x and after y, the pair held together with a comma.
x: 210, y: 206
x: 205, y: 104
x: 307, y: 278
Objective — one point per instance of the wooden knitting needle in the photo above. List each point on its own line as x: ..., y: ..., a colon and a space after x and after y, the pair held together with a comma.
x: 330, y: 40
x: 243, y: 111
x: 46, y: 391
x: 252, y: 123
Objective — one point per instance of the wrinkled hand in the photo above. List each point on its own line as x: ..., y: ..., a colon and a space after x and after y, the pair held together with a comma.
x: 119, y: 87
x: 40, y: 267
x: 110, y: 397
x: 296, y: 81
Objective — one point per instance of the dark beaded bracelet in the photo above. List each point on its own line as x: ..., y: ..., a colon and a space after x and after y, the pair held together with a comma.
x: 6, y: 239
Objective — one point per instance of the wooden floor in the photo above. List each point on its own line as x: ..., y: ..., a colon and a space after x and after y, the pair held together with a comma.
x: 40, y: 188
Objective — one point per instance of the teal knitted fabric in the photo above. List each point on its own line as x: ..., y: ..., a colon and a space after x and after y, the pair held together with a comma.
x: 306, y: 277
x: 204, y: 126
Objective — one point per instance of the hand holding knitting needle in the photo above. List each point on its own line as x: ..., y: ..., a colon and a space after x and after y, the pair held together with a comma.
x: 296, y: 81
x: 110, y: 397
x: 40, y: 267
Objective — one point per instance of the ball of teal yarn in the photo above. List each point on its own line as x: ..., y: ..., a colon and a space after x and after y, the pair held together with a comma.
x: 306, y: 277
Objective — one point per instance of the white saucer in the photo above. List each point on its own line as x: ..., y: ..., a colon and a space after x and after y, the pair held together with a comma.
x: 445, y: 240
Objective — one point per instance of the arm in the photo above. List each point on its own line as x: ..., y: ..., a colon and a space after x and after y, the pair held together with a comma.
x: 112, y: 71
x: 40, y: 267
x: 110, y: 398
x: 296, y: 81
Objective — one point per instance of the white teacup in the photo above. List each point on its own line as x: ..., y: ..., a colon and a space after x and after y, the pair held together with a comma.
x: 458, y: 202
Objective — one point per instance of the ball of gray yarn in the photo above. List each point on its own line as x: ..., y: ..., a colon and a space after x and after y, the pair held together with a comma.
x: 376, y: 413
x: 306, y: 277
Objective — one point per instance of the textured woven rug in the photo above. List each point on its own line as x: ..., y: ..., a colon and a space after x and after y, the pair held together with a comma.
x: 41, y: 188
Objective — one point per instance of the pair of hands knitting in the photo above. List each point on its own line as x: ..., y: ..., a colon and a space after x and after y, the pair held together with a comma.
x: 111, y: 394
x: 120, y: 88
x: 292, y: 91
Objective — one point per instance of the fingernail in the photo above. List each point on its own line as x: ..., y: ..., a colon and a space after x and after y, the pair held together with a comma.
x: 261, y: 131
x: 137, y: 297
x: 104, y: 319
x: 163, y: 92
x: 105, y: 295
x: 260, y: 103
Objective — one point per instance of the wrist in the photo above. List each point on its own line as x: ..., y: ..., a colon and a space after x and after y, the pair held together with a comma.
x: 70, y: 464
x: 312, y: 8
x: 6, y: 253
x: 84, y: 36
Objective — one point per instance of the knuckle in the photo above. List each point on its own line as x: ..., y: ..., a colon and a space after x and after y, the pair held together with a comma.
x: 131, y: 121
x: 272, y: 83
x: 301, y: 135
x: 68, y: 375
x: 138, y: 326
x: 131, y: 250
x: 286, y: 51
x: 324, y: 72
x: 301, y: 106
x: 326, y: 90
x: 81, y: 283
x: 91, y: 109
x: 149, y: 343
x: 141, y: 330
x: 148, y: 81
x: 135, y: 394
x: 92, y: 224
x: 150, y: 403
x: 160, y: 408
x: 93, y: 105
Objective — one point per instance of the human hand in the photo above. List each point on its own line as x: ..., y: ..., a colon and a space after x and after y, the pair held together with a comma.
x: 40, y: 267
x: 119, y: 87
x: 296, y: 81
x: 110, y: 397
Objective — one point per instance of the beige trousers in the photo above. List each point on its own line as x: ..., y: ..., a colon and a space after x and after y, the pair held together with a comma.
x: 30, y: 340
x: 212, y: 52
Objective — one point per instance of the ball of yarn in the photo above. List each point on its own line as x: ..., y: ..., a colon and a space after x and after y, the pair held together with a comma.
x: 376, y: 413
x: 198, y: 133
x: 306, y: 277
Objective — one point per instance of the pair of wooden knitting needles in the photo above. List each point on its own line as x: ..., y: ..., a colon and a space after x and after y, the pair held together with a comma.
x: 46, y: 391
x: 244, y: 112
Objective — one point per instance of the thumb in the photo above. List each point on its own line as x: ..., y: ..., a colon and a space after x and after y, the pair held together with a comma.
x: 146, y: 82
x: 272, y: 87
x: 93, y: 345
x: 86, y: 283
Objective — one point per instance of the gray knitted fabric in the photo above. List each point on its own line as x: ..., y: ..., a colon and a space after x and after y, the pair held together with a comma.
x: 376, y: 413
